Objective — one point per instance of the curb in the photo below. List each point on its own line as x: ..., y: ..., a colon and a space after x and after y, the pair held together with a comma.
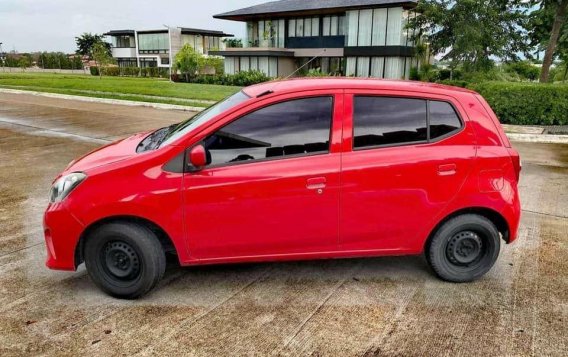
x: 130, y: 103
x: 535, y: 138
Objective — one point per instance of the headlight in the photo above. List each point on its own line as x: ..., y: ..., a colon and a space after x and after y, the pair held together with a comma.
x: 62, y: 187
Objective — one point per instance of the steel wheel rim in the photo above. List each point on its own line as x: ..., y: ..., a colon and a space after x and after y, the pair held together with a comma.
x: 465, y: 248
x: 120, y: 261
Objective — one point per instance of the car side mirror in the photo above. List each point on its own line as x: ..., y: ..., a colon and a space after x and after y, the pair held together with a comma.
x: 198, y: 157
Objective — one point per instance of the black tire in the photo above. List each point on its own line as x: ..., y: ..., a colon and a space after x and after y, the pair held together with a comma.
x: 464, y: 248
x: 125, y: 260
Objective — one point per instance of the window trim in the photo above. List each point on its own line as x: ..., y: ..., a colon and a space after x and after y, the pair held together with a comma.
x: 188, y: 168
x: 407, y: 143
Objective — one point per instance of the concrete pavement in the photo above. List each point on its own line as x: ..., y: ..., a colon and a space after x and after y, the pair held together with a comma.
x: 356, y: 307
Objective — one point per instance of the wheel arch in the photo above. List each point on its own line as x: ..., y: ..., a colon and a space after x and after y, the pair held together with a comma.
x: 164, y: 239
x: 495, y: 217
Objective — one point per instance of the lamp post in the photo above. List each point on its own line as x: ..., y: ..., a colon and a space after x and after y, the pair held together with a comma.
x: 1, y: 58
x: 170, y: 52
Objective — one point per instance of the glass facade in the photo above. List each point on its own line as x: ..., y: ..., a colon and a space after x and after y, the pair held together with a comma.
x: 123, y: 42
x: 153, y: 43
x: 304, y: 27
x: 378, y: 27
x: 148, y: 62
x: 264, y: 64
x: 333, y: 25
x: 266, y: 33
x: 127, y: 62
x: 202, y: 44
x: 379, y: 67
x: 326, y: 65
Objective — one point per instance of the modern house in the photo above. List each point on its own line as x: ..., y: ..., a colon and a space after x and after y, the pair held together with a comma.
x: 156, y: 48
x: 364, y: 38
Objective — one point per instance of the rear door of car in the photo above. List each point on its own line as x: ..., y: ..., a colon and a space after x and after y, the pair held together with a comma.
x: 405, y: 156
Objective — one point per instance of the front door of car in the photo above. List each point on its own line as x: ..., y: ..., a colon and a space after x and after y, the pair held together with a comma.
x: 271, y: 186
x: 405, y: 158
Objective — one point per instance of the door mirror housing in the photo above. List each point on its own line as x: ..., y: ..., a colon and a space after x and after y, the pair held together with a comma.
x: 198, y: 157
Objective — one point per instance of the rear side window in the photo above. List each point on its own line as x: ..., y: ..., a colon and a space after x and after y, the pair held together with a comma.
x: 296, y: 127
x: 443, y: 119
x: 384, y: 121
x: 389, y: 121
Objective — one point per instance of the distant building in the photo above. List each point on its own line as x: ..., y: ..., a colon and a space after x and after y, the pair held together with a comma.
x: 151, y: 48
x: 364, y: 38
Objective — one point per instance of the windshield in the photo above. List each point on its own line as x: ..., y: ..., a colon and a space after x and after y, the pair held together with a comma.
x: 185, y: 127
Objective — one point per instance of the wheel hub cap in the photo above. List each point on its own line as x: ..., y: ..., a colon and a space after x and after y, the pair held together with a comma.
x: 121, y: 260
x: 464, y: 248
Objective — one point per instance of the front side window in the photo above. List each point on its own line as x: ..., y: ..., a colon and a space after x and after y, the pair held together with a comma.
x: 179, y: 130
x: 296, y: 127
x: 389, y: 121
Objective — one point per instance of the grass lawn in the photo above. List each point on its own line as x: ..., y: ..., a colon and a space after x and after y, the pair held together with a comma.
x: 137, y: 89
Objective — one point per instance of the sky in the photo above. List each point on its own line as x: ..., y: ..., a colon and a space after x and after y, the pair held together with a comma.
x: 52, y: 25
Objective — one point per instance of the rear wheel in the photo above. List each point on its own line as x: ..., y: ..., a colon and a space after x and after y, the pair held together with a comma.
x: 125, y: 260
x: 464, y: 248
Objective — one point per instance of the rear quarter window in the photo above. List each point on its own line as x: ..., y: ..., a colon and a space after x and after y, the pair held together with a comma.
x: 443, y: 120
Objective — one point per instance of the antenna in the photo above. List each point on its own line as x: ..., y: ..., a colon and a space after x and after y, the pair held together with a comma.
x: 278, y: 82
x: 307, y: 63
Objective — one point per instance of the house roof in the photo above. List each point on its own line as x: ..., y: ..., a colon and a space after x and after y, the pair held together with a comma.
x: 194, y: 31
x: 184, y: 30
x: 304, y: 7
x: 120, y: 33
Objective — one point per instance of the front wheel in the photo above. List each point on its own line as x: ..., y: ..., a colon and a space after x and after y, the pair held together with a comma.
x: 464, y: 248
x: 125, y: 260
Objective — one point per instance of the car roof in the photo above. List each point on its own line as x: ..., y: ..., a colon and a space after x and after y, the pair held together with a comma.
x: 304, y: 84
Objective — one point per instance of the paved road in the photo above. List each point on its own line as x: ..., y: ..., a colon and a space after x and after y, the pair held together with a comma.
x: 383, y: 306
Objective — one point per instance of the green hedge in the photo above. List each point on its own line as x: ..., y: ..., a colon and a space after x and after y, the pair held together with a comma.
x: 241, y: 79
x: 153, y: 72
x: 526, y: 103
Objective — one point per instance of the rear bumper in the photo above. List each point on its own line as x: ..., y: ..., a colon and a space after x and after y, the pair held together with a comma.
x: 512, y: 214
x: 62, y: 231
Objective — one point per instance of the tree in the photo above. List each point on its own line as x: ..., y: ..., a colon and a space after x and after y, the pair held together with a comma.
x: 473, y: 32
x: 101, y: 56
x: 25, y: 61
x: 187, y: 61
x: 549, y: 30
x: 86, y: 43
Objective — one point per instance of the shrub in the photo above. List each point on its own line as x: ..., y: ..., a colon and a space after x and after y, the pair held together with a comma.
x: 241, y: 79
x: 94, y: 71
x: 111, y: 71
x: 316, y: 73
x: 526, y: 103
x: 248, y: 78
x: 524, y: 69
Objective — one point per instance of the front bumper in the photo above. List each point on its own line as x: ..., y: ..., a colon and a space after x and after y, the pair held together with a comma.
x: 62, y: 232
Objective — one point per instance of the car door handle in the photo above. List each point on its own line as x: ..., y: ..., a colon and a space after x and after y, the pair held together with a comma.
x: 447, y: 170
x: 316, y: 183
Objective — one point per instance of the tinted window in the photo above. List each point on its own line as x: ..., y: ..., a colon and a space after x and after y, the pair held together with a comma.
x: 388, y: 121
x: 443, y: 119
x: 185, y: 127
x: 290, y: 128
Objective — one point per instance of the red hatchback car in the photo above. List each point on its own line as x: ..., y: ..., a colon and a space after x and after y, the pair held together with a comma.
x: 289, y: 170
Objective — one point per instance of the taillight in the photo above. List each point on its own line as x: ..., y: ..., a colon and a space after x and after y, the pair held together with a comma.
x: 517, y: 164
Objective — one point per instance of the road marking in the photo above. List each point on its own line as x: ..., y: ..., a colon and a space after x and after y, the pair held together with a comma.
x: 39, y: 131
